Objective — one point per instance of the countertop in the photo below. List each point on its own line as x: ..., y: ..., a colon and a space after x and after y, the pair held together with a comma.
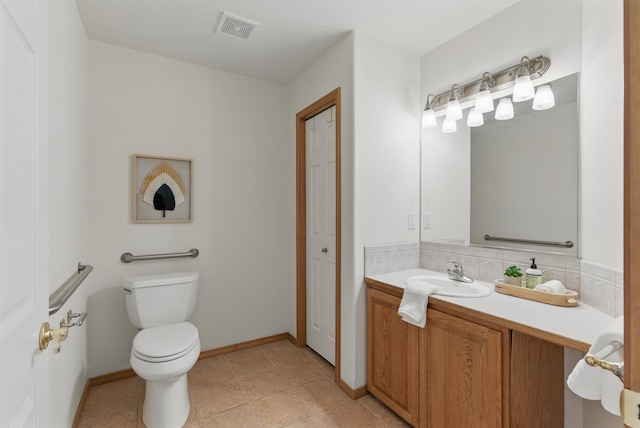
x: 575, y: 327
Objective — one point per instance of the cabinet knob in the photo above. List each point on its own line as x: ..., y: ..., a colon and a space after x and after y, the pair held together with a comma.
x: 324, y: 250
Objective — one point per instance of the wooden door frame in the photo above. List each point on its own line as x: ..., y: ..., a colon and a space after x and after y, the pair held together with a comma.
x: 329, y: 100
x: 631, y: 195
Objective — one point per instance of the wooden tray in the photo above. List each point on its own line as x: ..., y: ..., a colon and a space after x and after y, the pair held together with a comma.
x: 569, y: 299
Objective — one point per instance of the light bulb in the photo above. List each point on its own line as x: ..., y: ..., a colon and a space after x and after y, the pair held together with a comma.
x: 504, y: 110
x: 475, y: 118
x: 544, y: 98
x: 484, y: 101
x: 429, y: 118
x: 454, y: 111
x: 449, y: 126
x: 523, y: 89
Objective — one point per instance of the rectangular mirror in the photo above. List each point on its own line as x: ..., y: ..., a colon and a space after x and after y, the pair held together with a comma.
x: 514, y: 179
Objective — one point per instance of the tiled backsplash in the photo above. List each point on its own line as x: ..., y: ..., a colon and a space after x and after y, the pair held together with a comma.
x: 599, y: 286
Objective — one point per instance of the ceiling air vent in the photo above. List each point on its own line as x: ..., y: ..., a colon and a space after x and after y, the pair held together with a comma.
x: 236, y: 27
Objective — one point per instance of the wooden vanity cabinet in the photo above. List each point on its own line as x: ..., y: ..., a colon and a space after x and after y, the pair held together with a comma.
x: 462, y: 373
x: 461, y: 370
x: 392, y: 356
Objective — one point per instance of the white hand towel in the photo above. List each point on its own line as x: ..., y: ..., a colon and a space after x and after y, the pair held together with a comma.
x: 595, y: 383
x: 413, y: 306
x: 554, y: 286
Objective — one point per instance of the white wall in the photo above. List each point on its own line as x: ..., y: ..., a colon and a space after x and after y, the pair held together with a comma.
x: 380, y: 165
x: 234, y: 129
x: 334, y: 69
x: 602, y: 133
x: 68, y: 200
x: 387, y: 167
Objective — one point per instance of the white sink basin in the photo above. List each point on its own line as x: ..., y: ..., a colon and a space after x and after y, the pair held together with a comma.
x: 449, y: 287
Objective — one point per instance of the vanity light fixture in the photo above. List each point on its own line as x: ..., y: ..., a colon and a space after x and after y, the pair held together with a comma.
x: 454, y: 111
x: 479, y: 93
x: 544, y: 98
x: 523, y: 87
x: 484, y: 100
x: 504, y: 110
x: 475, y: 118
x: 429, y: 115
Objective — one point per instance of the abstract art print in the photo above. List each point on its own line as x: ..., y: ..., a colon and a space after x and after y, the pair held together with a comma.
x: 161, y: 189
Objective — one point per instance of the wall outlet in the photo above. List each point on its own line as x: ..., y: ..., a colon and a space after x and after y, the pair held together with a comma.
x: 426, y: 220
x: 413, y: 218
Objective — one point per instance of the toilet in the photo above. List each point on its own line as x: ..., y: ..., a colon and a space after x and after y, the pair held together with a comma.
x: 167, y: 346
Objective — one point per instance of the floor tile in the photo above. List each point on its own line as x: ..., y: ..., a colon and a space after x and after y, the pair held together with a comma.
x: 238, y: 417
x: 271, y: 385
x: 218, y: 398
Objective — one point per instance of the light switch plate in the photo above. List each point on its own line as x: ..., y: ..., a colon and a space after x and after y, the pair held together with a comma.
x: 630, y: 408
x: 413, y: 217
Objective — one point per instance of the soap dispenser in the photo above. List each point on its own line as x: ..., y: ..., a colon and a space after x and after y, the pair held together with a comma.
x: 533, y: 275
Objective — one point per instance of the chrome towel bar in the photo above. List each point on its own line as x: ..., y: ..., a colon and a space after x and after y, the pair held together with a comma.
x: 62, y: 294
x: 128, y: 257
x: 568, y: 244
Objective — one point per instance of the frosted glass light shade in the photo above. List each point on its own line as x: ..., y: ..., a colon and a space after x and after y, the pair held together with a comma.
x: 484, y: 102
x: 544, y: 98
x: 449, y: 126
x: 523, y: 89
x: 429, y: 118
x: 504, y: 110
x: 454, y: 111
x: 475, y: 118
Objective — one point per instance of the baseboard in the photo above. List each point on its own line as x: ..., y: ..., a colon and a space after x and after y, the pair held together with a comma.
x: 81, y: 405
x: 245, y: 345
x: 354, y: 394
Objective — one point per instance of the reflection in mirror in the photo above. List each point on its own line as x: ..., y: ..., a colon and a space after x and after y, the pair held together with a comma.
x: 514, y: 179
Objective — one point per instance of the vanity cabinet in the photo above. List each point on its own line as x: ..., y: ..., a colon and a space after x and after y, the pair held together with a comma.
x: 392, y: 356
x: 461, y: 373
x: 462, y: 370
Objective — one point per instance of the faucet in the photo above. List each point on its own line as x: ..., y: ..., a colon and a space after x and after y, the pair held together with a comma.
x: 455, y: 272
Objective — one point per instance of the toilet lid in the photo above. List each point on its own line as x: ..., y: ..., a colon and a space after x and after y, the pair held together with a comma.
x: 165, y: 342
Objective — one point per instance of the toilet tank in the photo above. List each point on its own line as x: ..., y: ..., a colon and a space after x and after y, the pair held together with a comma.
x: 154, y: 300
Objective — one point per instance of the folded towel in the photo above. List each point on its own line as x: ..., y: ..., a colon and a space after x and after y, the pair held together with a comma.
x: 413, y: 306
x: 554, y: 286
x: 595, y: 383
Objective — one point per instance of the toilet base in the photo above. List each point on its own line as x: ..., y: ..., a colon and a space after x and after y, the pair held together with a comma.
x: 166, y: 403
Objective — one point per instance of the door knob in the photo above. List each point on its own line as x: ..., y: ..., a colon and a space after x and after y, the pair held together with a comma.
x: 324, y: 250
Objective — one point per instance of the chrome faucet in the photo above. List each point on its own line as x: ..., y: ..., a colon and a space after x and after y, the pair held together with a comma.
x: 455, y: 272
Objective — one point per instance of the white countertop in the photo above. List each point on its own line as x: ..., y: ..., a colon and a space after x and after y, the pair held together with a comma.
x: 580, y: 323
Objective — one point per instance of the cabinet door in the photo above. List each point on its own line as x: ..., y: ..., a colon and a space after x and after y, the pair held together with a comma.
x: 392, y: 356
x: 461, y: 373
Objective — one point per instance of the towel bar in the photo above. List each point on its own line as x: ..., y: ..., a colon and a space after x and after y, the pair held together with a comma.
x: 62, y: 294
x: 567, y: 244
x: 128, y: 257
x: 597, y: 360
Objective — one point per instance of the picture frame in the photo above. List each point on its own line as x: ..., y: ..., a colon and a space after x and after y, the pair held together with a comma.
x: 162, y: 189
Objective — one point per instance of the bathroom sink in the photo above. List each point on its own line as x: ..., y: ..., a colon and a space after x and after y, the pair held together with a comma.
x: 449, y: 287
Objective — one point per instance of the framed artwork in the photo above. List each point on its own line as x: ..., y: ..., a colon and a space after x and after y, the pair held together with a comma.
x: 161, y: 189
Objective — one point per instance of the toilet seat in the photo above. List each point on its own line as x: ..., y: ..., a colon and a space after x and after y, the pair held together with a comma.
x: 165, y: 343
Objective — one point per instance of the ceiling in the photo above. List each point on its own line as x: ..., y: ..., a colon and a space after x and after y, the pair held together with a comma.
x: 291, y: 34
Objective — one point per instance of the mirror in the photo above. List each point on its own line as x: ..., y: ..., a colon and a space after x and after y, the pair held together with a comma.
x: 514, y: 179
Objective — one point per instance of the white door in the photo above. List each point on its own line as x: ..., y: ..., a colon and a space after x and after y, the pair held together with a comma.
x: 321, y: 233
x: 24, y: 293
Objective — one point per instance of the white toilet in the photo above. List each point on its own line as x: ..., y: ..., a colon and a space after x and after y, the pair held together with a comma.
x: 167, y: 347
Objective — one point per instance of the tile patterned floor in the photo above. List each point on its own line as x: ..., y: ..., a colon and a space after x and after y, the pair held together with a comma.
x: 272, y: 385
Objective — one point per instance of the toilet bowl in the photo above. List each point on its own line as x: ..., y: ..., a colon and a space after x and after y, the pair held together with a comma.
x: 167, y: 346
x: 162, y: 356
